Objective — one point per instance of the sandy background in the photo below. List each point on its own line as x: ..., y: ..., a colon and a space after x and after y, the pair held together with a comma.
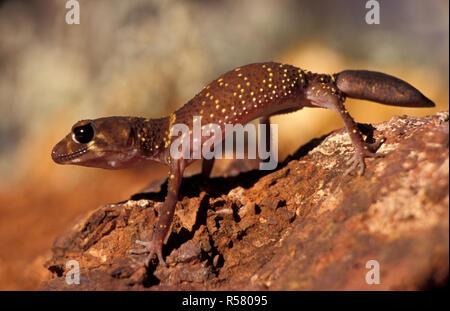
x: 146, y: 58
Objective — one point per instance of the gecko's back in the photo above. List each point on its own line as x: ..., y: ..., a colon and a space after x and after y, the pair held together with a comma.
x: 246, y: 93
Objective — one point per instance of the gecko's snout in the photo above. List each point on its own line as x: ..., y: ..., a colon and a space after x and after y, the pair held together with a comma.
x: 74, y: 145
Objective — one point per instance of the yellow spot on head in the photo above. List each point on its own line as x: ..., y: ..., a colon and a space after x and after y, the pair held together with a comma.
x: 223, y: 110
x: 211, y: 115
x: 217, y: 101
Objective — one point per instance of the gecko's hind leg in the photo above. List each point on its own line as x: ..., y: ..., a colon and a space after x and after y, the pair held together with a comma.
x: 266, y: 121
x: 334, y: 101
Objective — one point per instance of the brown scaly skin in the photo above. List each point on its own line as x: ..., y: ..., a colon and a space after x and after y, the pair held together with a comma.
x: 237, y: 97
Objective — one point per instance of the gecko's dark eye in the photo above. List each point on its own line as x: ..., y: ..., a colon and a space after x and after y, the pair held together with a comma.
x: 83, y: 134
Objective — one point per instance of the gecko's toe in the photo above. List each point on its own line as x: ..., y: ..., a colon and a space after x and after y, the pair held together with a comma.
x: 355, y: 162
x: 375, y: 145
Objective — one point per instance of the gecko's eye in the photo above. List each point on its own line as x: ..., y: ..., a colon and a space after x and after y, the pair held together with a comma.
x: 83, y: 134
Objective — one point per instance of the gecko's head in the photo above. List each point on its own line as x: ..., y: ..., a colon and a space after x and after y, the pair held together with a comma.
x: 104, y: 143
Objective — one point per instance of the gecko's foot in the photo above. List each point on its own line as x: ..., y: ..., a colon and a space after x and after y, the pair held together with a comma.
x: 356, y: 162
x: 152, y: 247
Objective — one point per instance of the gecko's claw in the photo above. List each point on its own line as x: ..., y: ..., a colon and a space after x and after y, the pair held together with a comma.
x: 152, y: 247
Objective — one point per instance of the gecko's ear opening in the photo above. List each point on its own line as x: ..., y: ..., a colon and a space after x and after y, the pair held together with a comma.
x: 131, y: 137
x: 83, y: 134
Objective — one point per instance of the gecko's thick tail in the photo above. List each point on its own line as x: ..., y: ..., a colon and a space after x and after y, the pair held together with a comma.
x: 380, y: 87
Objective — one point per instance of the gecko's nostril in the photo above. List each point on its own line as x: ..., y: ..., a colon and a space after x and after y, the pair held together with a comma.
x: 54, y: 155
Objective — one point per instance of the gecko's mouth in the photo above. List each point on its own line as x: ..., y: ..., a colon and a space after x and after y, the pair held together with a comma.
x: 64, y: 157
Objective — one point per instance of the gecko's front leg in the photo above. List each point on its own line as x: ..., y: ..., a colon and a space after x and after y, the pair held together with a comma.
x: 162, y: 230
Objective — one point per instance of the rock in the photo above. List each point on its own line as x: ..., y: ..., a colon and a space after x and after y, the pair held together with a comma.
x: 306, y: 226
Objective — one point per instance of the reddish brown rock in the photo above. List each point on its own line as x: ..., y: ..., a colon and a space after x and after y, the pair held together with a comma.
x: 306, y: 226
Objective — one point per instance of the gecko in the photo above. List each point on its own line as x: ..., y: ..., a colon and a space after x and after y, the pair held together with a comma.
x: 249, y: 92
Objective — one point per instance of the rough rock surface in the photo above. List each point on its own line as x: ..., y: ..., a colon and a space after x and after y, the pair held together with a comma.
x: 305, y: 226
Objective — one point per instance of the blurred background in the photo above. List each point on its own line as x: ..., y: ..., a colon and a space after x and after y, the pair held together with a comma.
x: 147, y: 58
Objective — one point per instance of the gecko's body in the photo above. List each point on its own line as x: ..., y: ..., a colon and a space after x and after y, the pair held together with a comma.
x: 237, y: 97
